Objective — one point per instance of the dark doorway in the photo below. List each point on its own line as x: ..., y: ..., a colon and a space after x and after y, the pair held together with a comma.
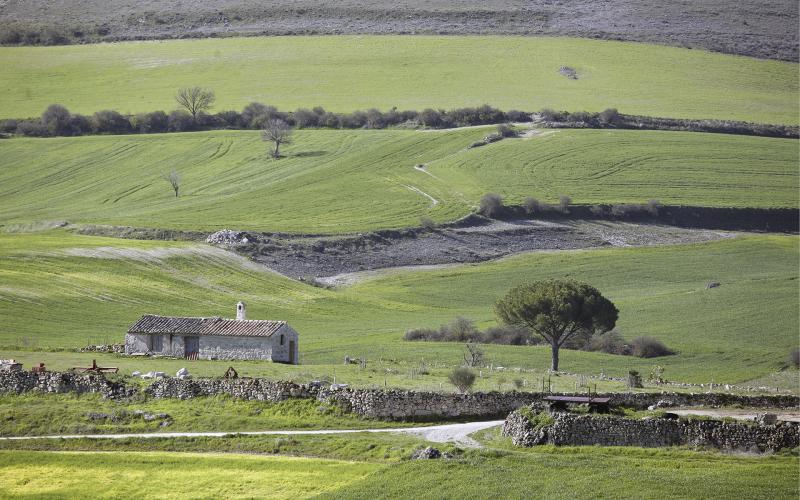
x: 191, y: 347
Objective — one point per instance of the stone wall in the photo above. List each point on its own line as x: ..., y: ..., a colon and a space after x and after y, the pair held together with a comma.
x: 212, y: 347
x: 372, y: 403
x: 250, y: 389
x: 587, y: 430
x: 412, y: 405
x: 59, y: 383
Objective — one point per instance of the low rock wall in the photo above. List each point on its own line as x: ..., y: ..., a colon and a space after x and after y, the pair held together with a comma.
x: 251, y: 389
x: 372, y: 403
x: 60, y: 383
x: 580, y: 430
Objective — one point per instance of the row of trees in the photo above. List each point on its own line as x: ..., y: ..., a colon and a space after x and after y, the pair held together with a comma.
x: 193, y: 115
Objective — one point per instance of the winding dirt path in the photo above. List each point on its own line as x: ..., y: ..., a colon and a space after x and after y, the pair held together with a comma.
x: 448, y: 433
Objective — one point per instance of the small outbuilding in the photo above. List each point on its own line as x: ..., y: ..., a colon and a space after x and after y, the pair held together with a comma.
x: 213, y: 338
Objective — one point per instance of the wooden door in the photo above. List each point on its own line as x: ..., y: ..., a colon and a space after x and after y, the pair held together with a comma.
x: 191, y: 347
x: 291, y: 352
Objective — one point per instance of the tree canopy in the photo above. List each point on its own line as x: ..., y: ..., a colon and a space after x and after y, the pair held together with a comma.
x: 557, y: 310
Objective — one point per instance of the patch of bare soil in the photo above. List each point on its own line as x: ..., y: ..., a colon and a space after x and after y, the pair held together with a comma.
x: 766, y: 29
x: 343, y: 260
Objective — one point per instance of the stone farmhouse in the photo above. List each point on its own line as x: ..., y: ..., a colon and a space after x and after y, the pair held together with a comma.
x: 213, y: 338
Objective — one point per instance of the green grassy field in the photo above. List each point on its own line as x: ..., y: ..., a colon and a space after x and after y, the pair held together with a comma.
x: 165, y: 475
x: 37, y: 415
x: 587, y: 472
x: 62, y: 290
x: 345, y: 73
x: 342, y: 181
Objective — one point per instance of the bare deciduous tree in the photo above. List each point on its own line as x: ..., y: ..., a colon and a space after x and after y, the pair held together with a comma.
x: 174, y: 179
x: 473, y: 355
x: 195, y: 99
x: 277, y: 132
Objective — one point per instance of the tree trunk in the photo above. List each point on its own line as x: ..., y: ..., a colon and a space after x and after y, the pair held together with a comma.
x: 276, y: 154
x: 554, y: 348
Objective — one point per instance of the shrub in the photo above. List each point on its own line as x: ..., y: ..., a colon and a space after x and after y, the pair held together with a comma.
x: 32, y: 128
x: 460, y: 329
x: 150, y: 123
x: 430, y: 118
x: 518, y: 116
x: 80, y: 124
x: 230, y: 119
x: 491, y: 205
x: 609, y: 343
x: 8, y: 126
x: 794, y: 357
x: 506, y: 130
x: 609, y: 116
x: 374, y: 119
x: 648, y: 347
x: 180, y: 121
x: 531, y: 205
x: 421, y: 334
x: 462, y: 378
x: 508, y: 335
x: 304, y: 118
x: 256, y: 115
x: 653, y: 206
x: 356, y: 119
x: 110, y: 122
x: 563, y: 203
x: 427, y: 223
x: 56, y: 120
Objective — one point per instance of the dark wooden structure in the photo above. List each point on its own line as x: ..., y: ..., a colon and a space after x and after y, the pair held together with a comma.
x: 596, y: 405
x: 96, y: 369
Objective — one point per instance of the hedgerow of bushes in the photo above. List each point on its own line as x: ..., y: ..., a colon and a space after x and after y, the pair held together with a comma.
x: 58, y: 121
x: 464, y: 330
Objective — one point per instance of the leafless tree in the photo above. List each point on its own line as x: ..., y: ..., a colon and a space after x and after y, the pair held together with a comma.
x: 277, y: 132
x: 174, y: 179
x: 195, y: 99
x: 473, y: 355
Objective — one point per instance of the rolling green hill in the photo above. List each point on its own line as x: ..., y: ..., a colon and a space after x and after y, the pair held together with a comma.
x: 62, y: 290
x: 342, y: 181
x: 345, y: 73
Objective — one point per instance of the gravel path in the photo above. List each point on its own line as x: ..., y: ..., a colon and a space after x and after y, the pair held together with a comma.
x: 449, y: 433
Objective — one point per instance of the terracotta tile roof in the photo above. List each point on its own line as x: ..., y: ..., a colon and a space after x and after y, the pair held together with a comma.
x: 150, y: 323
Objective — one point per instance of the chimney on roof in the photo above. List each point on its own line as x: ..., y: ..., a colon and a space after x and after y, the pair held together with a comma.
x: 240, y: 311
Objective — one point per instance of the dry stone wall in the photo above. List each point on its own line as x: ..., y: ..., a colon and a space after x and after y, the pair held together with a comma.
x: 60, y: 383
x: 580, y: 430
x: 371, y: 403
x: 250, y: 389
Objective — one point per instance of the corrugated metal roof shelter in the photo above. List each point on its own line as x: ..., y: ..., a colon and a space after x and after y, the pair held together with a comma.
x: 213, y: 338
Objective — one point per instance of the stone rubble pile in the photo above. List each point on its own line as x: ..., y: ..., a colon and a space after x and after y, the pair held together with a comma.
x: 229, y: 237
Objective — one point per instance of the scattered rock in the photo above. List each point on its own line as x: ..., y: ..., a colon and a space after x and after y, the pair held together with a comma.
x: 713, y: 284
x: 97, y: 416
x: 228, y: 237
x: 428, y: 453
x: 568, y: 72
x: 111, y: 348
x: 767, y: 419
x: 183, y: 374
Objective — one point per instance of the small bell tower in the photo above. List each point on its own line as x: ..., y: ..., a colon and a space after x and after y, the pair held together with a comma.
x: 240, y: 311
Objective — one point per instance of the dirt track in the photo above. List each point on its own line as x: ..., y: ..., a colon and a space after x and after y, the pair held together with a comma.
x: 448, y: 433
